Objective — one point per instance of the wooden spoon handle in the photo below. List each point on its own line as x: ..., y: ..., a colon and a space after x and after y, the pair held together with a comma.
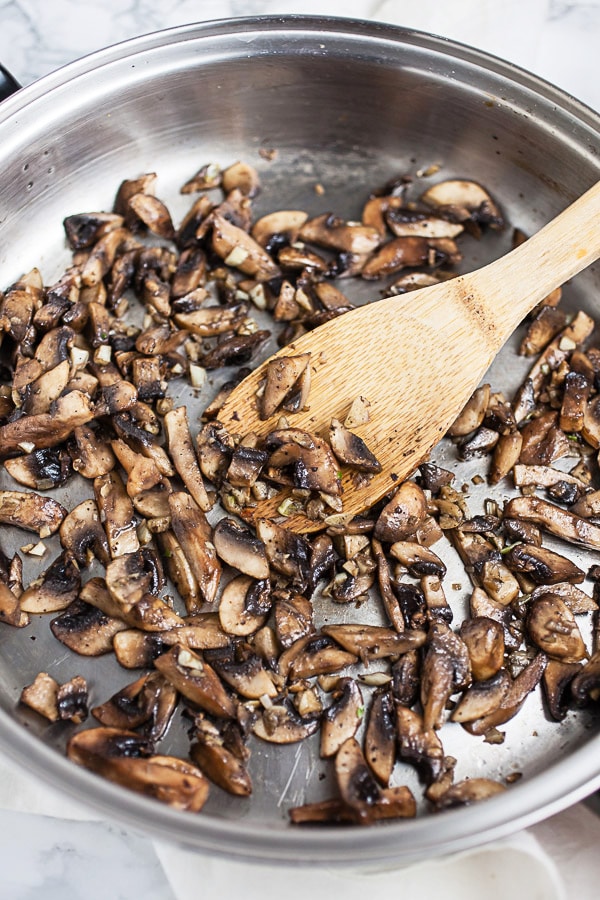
x: 512, y: 286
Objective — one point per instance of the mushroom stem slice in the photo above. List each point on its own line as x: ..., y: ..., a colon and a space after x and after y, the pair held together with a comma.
x: 381, y: 736
x: 181, y: 451
x: 557, y: 521
x: 211, y: 753
x: 196, y: 680
x: 419, y: 744
x: 374, y: 641
x: 31, y: 511
x: 194, y: 534
x: 342, y: 719
x: 116, y: 510
x: 446, y: 669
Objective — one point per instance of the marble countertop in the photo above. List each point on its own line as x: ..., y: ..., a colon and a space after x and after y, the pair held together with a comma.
x: 42, y: 855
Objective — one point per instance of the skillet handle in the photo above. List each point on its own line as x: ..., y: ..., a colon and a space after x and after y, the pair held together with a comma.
x: 8, y: 84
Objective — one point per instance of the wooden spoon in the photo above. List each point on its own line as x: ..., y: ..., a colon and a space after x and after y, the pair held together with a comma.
x: 418, y: 357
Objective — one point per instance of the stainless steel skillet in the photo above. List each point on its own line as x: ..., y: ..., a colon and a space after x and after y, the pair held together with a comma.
x: 346, y: 105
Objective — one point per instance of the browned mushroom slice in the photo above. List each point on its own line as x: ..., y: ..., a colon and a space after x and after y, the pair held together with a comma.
x: 556, y: 682
x: 195, y: 537
x: 552, y: 627
x: 207, y: 177
x: 410, y: 251
x: 471, y: 790
x: 82, y: 534
x: 215, y: 448
x: 315, y: 654
x: 576, y: 599
x: 124, y: 758
x: 19, y: 304
x: 394, y: 803
x: 236, y: 350
x: 403, y: 514
x: 84, y: 229
x: 329, y: 231
x: 472, y: 414
x: 181, y: 450
x: 482, y: 697
x: 543, y: 476
x: 543, y: 440
x: 590, y: 427
x: 282, y: 376
x: 351, y: 450
x: 307, y: 457
x: 556, y: 353
x: 517, y: 693
x: 543, y: 566
x: 196, y: 680
x: 212, y: 320
x: 55, y: 589
x: 246, y: 465
x: 128, y: 580
x: 406, y: 678
x: 219, y: 758
x: 548, y: 322
x: 85, y: 629
x: 417, y: 559
x: 576, y: 392
x: 293, y: 617
x: 91, y: 454
x: 153, y: 213
x: 149, y: 701
x: 419, y: 745
x: 236, y: 248
x: 384, y: 578
x: 357, y: 786
x: 435, y: 599
x: 238, y: 547
x: 136, y: 649
x: 299, y: 257
x: 557, y: 521
x: 287, y: 552
x: 380, y: 736
x: 342, y: 719
x: 481, y: 604
x: 374, y: 641
x: 10, y: 608
x: 506, y: 454
x: 587, y: 506
x: 403, y: 221
x: 243, y: 670
x: 465, y: 200
x: 281, y: 723
x: 41, y: 696
x: 180, y: 571
x: 31, y: 511
x: 244, y: 605
x: 116, y: 510
x: 446, y: 669
x: 46, y: 389
x: 72, y: 700
x: 586, y: 684
x: 41, y: 469
x: 102, y: 256
x: 484, y: 638
x: 280, y: 226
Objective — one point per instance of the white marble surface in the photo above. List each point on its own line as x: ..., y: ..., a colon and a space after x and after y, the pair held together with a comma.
x: 46, y: 855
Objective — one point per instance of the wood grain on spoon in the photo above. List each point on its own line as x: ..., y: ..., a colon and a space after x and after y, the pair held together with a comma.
x: 418, y: 357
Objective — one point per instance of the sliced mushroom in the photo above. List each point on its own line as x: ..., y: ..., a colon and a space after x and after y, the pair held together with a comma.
x: 543, y: 440
x: 239, y: 548
x: 374, y: 641
x: 46, y: 429
x: 244, y: 605
x: 342, y: 719
x: 329, y: 231
x: 31, y: 511
x: 351, y: 450
x: 556, y: 682
x: 417, y: 559
x: 548, y: 322
x: 281, y: 723
x: 125, y: 758
x: 82, y: 535
x: 481, y: 604
x: 19, y: 304
x: 41, y: 696
x: 552, y: 627
x: 316, y: 654
x: 557, y: 521
x: 471, y: 790
x: 128, y: 580
x: 72, y: 700
x: 282, y: 377
x: 389, y: 598
x: 435, y: 599
x: 418, y: 744
x: 586, y: 684
x: 137, y: 649
x: 281, y: 226
x: 243, y: 670
x: 46, y: 389
x: 403, y: 514
x: 55, y: 589
x: 117, y: 514
x: 196, y: 680
x: 10, y: 607
x: 307, y: 457
x: 576, y: 600
x: 517, y: 693
x: 484, y: 638
x: 246, y: 465
x: 181, y: 450
x: 219, y: 758
x: 238, y: 249
x: 482, y: 697
x: 287, y: 552
x: 472, y: 414
x: 85, y: 629
x: 380, y: 736
x: 446, y: 669
x: 406, y: 678
x: 150, y: 701
x: 195, y: 537
x: 403, y: 221
x: 293, y: 617
x: 464, y: 200
x: 408, y: 251
x: 543, y: 566
x: 41, y: 469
